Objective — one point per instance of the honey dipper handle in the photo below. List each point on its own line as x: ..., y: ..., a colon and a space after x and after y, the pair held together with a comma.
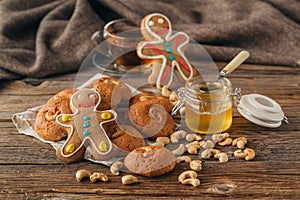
x: 239, y: 59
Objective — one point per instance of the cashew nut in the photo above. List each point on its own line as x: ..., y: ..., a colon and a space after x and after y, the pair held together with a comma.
x: 173, y: 97
x: 206, y: 154
x: 196, y: 165
x: 240, y: 142
x: 193, y: 137
x: 216, y: 138
x: 165, y: 140
x: 129, y: 179
x: 193, y: 147
x: 192, y: 143
x: 96, y: 176
x: 115, y: 168
x: 83, y: 173
x: 223, y: 157
x: 240, y: 154
x: 250, y: 154
x: 191, y: 181
x: 179, y: 151
x: 208, y: 144
x: 157, y: 143
x: 215, y: 152
x: 247, y: 153
x: 165, y: 91
x: 226, y: 142
x: 185, y: 159
x: 187, y: 174
x: 177, y: 135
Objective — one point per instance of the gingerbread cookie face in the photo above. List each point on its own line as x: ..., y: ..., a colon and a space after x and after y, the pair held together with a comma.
x: 167, y: 48
x: 86, y: 128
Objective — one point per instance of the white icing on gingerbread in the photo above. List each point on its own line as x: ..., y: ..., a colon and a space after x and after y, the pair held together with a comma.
x: 84, y: 104
x: 163, y: 35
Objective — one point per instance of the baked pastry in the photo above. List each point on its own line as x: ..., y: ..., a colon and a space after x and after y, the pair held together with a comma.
x: 166, y: 49
x: 112, y: 92
x: 150, y: 161
x: 127, y: 138
x: 163, y: 101
x: 45, y: 124
x: 151, y: 116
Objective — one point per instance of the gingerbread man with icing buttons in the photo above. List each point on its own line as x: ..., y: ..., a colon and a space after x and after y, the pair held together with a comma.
x: 86, y: 129
x: 167, y: 49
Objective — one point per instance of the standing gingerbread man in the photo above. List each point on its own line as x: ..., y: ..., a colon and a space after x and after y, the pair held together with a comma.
x: 86, y: 129
x: 166, y: 48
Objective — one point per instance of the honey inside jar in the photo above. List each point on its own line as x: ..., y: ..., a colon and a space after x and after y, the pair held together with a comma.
x: 208, y: 106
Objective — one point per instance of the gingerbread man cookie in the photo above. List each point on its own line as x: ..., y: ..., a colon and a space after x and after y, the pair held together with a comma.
x: 166, y: 48
x: 86, y: 128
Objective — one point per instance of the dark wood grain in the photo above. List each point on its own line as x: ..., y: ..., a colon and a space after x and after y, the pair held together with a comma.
x: 29, y: 168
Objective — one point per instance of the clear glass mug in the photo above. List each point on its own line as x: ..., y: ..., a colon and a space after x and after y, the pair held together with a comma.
x: 208, y: 105
x: 122, y: 37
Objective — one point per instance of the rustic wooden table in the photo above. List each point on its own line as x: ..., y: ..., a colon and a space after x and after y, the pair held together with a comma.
x: 30, y: 169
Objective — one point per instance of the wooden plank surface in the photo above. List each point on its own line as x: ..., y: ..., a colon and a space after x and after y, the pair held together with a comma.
x: 29, y: 168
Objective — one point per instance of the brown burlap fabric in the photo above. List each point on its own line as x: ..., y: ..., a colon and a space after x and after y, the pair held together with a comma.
x: 42, y: 37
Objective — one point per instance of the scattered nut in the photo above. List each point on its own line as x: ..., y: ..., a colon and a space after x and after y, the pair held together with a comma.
x: 215, y: 152
x: 96, y: 176
x: 208, y: 144
x: 247, y: 153
x: 187, y: 174
x: 191, y: 181
x: 240, y: 154
x: 193, y: 137
x: 193, y: 147
x: 165, y: 140
x: 185, y: 159
x: 226, y: 142
x: 223, y: 157
x: 206, y: 154
x: 250, y: 154
x: 179, y: 151
x: 196, y: 165
x: 165, y: 91
x: 157, y: 143
x: 216, y: 138
x: 192, y: 143
x: 129, y: 179
x: 177, y: 135
x: 115, y: 168
x: 240, y: 142
x: 173, y: 97
x: 83, y: 173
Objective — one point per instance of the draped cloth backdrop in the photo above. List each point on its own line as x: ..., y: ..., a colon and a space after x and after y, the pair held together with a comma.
x: 42, y: 37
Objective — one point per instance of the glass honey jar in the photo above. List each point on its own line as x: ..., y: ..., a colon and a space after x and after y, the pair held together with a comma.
x: 208, y: 105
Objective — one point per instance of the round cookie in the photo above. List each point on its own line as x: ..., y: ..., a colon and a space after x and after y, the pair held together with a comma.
x: 166, y: 49
x: 149, y: 113
x: 45, y: 124
x: 150, y: 161
x: 127, y: 138
x: 112, y: 92
x: 163, y: 101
